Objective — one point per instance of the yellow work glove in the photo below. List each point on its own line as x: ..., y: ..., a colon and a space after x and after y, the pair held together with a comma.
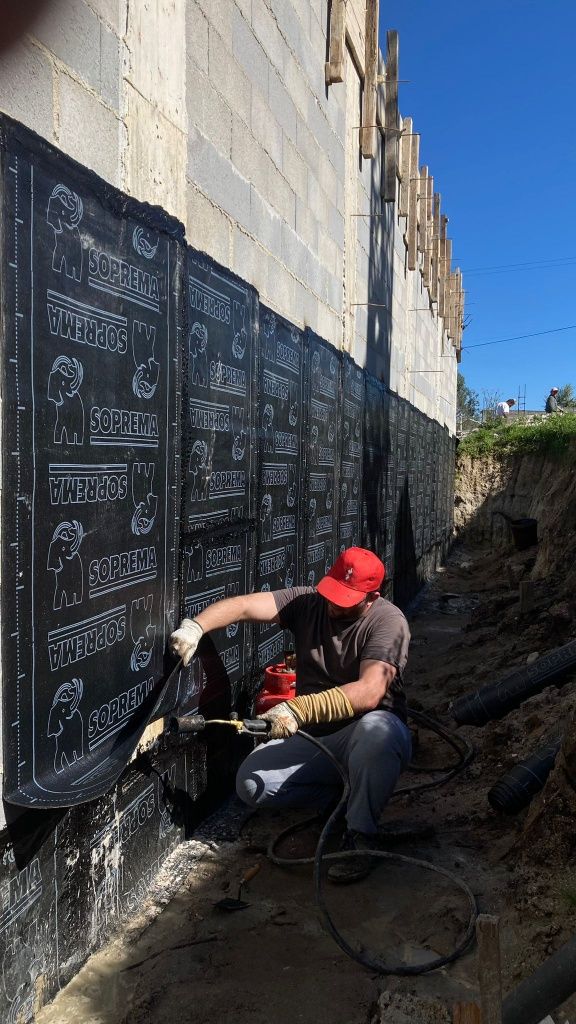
x: 312, y: 709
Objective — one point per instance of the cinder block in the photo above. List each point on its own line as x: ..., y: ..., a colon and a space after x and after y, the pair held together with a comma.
x: 110, y: 67
x: 328, y: 180
x: 327, y: 250
x: 296, y: 83
x: 280, y: 289
x: 336, y: 224
x: 249, y: 158
x: 250, y: 261
x: 281, y: 105
x: 151, y: 31
x: 329, y: 325
x: 227, y: 76
x: 294, y: 168
x: 317, y: 200
x: 295, y: 255
x: 74, y: 37
x: 218, y: 178
x: 208, y: 111
x: 307, y: 145
x: 113, y: 12
x: 249, y: 53
x: 265, y: 224
x: 155, y: 161
x: 288, y: 23
x: 207, y: 227
x: 302, y: 9
x: 196, y: 36
x: 281, y: 196
x: 265, y: 128
x: 220, y: 14
x: 266, y: 30
x: 26, y: 77
x: 306, y: 224
x: 89, y: 131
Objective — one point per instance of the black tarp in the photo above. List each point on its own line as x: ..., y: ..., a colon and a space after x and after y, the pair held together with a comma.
x: 279, y: 507
x: 322, y: 477
x: 91, y: 309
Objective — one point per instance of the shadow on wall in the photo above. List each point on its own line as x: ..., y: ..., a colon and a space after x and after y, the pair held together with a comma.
x: 380, y: 278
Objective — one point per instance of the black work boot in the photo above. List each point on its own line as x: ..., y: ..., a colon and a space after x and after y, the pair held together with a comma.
x: 354, y: 869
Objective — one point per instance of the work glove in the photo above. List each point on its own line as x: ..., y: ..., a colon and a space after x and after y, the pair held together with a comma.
x: 184, y: 640
x: 283, y: 721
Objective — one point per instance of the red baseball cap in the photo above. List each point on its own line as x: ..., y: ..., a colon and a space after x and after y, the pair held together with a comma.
x: 355, y: 573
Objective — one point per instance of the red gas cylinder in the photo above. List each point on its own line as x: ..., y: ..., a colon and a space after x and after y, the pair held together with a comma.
x: 279, y: 685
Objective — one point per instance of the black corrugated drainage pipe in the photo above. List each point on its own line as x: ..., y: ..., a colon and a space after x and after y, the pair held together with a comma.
x: 515, y: 789
x: 550, y: 986
x: 497, y: 700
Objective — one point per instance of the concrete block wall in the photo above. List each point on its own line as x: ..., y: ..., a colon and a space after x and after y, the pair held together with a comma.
x: 218, y: 111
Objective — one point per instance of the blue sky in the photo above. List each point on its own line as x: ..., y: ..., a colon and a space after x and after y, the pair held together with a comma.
x: 492, y: 92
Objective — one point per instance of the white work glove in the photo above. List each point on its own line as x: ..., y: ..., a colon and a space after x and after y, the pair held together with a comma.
x: 283, y: 721
x: 184, y: 640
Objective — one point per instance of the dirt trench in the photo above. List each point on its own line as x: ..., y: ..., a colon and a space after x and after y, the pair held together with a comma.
x: 273, y: 962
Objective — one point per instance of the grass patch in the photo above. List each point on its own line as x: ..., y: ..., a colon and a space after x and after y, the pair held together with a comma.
x: 553, y: 435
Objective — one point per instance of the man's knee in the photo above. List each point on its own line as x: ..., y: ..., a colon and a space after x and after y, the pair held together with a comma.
x: 379, y: 732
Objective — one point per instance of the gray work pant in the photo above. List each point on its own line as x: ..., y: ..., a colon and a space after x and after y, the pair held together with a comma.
x: 295, y: 773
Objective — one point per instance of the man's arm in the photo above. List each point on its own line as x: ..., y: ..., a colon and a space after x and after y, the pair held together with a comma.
x: 260, y: 607
x: 334, y: 705
x: 365, y: 694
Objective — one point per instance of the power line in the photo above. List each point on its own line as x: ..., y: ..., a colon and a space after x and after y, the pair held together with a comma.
x: 519, y: 337
x: 502, y: 266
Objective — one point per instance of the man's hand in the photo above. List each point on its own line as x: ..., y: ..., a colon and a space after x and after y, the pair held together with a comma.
x: 184, y: 640
x: 283, y: 722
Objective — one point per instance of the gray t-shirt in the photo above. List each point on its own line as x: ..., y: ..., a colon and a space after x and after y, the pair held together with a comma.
x: 329, y: 651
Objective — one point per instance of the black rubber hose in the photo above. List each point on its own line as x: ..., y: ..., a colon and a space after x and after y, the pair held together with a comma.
x: 497, y: 700
x: 362, y: 956
x: 519, y: 785
x: 550, y: 986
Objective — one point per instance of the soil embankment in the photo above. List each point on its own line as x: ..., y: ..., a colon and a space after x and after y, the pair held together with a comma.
x: 273, y: 961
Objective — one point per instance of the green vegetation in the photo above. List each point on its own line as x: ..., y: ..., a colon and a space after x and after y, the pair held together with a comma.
x: 566, y: 398
x: 551, y: 435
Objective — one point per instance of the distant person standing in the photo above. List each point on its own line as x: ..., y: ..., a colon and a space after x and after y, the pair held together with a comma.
x: 552, y: 402
x: 503, y: 408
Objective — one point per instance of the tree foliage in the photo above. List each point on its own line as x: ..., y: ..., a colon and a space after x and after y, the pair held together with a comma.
x: 566, y: 397
x: 467, y: 401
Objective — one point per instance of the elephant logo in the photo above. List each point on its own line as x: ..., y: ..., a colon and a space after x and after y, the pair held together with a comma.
x: 314, y: 445
x: 66, y: 725
x: 64, y: 385
x: 64, y: 213
x: 198, y: 467
x: 147, y: 373
x: 269, y: 332
x: 198, y: 351
x: 290, y: 567
x: 145, y: 501
x: 238, y: 433
x: 240, y: 333
x: 195, y: 562
x: 141, y: 244
x: 291, y: 495
x: 66, y: 564
x: 311, y: 578
x: 267, y: 421
x: 266, y: 517
x: 293, y: 411
x: 143, y: 633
